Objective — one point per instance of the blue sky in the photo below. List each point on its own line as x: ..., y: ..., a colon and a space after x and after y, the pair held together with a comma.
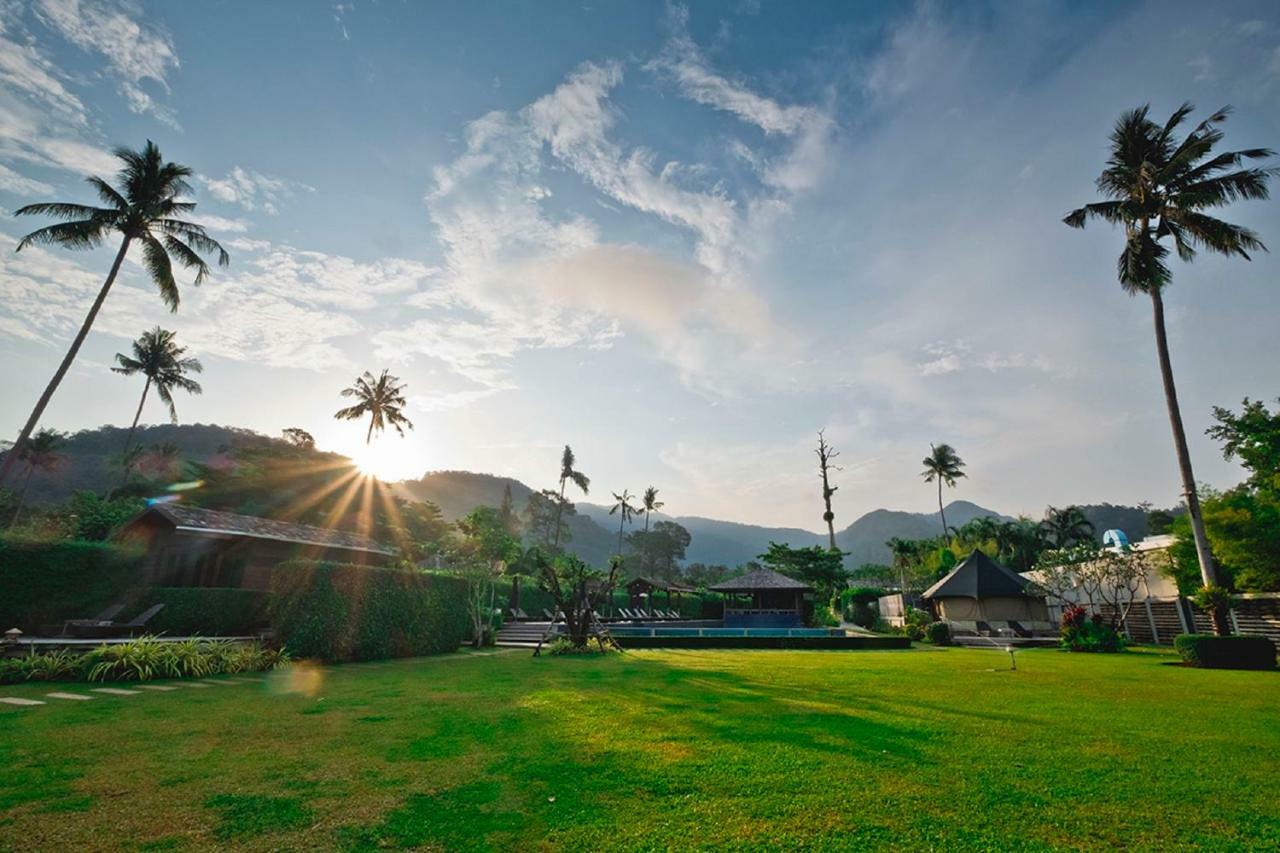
x: 680, y: 239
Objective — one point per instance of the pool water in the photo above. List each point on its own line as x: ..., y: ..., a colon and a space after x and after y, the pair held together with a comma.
x: 637, y: 631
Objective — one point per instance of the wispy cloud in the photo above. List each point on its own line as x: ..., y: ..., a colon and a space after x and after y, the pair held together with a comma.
x: 134, y: 51
x: 252, y: 190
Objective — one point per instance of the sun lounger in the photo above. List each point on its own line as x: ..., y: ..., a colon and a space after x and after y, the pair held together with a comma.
x: 517, y: 615
x: 103, y: 618
x: 121, y: 629
x: 1018, y: 629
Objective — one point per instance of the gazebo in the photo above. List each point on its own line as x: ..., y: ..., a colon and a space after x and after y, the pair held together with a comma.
x: 641, y: 590
x: 763, y: 599
x: 979, y: 589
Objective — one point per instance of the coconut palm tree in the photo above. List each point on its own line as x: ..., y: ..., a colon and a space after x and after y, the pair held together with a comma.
x: 649, y: 503
x: 143, y: 210
x: 568, y: 474
x: 1158, y: 188
x: 40, y: 454
x: 382, y: 399
x: 625, y: 511
x: 945, y: 466
x: 165, y: 364
x: 1066, y: 527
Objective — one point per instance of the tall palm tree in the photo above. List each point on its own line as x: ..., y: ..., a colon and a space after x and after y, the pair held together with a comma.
x: 40, y: 454
x: 1066, y: 527
x: 143, y: 210
x: 382, y: 399
x: 165, y: 364
x: 625, y: 511
x: 1158, y: 187
x: 568, y: 474
x: 650, y: 504
x: 945, y: 466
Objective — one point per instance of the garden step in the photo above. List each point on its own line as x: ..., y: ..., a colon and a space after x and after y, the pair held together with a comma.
x: 74, y: 697
x: 14, y: 700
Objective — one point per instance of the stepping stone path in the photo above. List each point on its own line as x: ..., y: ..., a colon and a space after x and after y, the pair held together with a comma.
x: 14, y: 700
x: 75, y: 697
x: 214, y: 683
x: 115, y: 691
x: 155, y: 687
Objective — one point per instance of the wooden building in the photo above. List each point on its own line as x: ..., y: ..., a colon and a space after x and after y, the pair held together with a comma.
x: 764, y: 599
x: 190, y: 546
x: 641, y: 591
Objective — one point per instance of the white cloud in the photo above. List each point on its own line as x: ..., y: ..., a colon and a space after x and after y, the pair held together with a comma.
x: 11, y: 181
x: 252, y: 190
x: 134, y: 51
x: 219, y: 223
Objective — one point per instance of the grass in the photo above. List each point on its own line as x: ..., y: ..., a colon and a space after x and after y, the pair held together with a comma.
x: 914, y: 749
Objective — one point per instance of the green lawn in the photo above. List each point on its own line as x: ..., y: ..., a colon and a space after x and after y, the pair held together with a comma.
x: 923, y: 748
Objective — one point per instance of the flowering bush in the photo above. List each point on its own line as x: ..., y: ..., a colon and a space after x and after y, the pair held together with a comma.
x: 1084, y: 633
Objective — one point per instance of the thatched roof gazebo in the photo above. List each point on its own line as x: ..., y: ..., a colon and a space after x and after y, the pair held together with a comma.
x: 763, y: 598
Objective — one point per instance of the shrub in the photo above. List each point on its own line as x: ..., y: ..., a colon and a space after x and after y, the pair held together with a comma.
x: 1083, y: 633
x: 341, y: 611
x: 916, y: 622
x: 562, y: 646
x: 207, y: 611
x: 862, y: 615
x: 822, y: 617
x: 939, y: 633
x: 48, y: 582
x: 141, y: 660
x: 1237, y: 651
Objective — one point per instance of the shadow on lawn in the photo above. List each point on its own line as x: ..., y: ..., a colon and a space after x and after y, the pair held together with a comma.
x: 585, y: 756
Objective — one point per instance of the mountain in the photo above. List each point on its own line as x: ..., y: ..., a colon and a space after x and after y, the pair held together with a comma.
x: 88, y: 459
x: 87, y: 463
x: 864, y: 539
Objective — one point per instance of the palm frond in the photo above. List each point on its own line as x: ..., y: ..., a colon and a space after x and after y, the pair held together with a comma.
x: 64, y: 210
x: 84, y: 234
x: 1218, y: 236
x: 160, y: 268
x: 187, y: 257
x: 108, y: 193
x: 350, y: 413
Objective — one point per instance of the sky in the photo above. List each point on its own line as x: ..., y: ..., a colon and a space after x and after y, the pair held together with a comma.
x: 680, y: 239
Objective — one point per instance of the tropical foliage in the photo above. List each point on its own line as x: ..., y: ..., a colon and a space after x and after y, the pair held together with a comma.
x: 143, y: 210
x: 381, y: 398
x: 1158, y: 188
x: 165, y: 365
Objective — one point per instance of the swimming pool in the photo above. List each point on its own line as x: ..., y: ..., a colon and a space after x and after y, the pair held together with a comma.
x: 669, y: 631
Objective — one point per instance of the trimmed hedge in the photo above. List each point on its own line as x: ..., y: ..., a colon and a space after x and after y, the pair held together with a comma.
x: 43, y: 583
x: 342, y: 611
x: 207, y: 611
x: 534, y: 600
x: 1238, y: 651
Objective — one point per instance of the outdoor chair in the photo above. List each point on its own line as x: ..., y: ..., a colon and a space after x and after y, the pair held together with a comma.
x: 103, y: 618
x: 124, y: 629
x: 1017, y: 629
x: 517, y: 614
x: 548, y: 615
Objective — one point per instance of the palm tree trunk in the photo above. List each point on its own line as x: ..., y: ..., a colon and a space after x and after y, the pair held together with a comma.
x: 620, y: 523
x: 644, y: 554
x: 368, y: 437
x: 559, y: 512
x: 128, y: 442
x: 1207, y: 572
x: 22, y: 498
x: 946, y: 531
x: 20, y: 445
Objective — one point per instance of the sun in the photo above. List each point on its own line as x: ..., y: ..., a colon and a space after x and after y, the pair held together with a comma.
x: 389, y: 460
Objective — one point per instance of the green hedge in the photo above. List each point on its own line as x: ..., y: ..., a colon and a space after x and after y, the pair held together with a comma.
x: 534, y: 600
x: 43, y: 583
x: 207, y: 611
x: 1234, y: 652
x: 340, y: 611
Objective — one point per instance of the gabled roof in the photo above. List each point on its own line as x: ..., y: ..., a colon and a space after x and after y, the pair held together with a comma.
x: 214, y: 522
x: 760, y: 579
x: 978, y: 576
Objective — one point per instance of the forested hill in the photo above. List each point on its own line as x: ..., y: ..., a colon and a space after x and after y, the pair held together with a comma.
x: 89, y: 460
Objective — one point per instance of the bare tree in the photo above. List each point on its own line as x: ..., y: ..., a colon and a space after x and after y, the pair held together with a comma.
x: 825, y: 454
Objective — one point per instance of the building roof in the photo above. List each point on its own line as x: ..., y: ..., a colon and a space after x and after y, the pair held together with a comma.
x: 655, y: 583
x: 978, y: 576
x: 191, y: 519
x: 760, y: 579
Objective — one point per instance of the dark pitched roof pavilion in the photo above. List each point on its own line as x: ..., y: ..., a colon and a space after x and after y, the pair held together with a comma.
x: 654, y: 583
x: 190, y: 519
x: 760, y: 579
x: 978, y: 576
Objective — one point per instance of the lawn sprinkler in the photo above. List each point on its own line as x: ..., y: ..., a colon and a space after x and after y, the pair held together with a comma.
x: 1013, y: 663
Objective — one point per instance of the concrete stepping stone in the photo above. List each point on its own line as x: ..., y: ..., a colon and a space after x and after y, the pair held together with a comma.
x: 215, y: 683
x: 75, y: 697
x: 155, y: 687
x: 193, y: 684
x: 14, y: 700
x: 115, y: 691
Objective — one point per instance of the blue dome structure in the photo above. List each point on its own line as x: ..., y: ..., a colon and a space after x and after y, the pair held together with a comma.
x: 1115, y: 538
